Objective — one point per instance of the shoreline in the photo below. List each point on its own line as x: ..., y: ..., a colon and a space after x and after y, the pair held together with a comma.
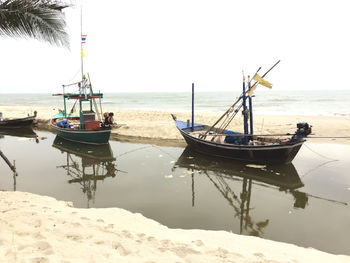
x: 158, y: 126
x: 41, y: 229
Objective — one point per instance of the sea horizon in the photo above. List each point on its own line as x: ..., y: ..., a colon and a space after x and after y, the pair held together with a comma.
x: 266, y: 102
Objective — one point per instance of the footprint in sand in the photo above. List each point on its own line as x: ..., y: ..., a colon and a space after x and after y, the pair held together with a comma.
x: 183, y: 251
x: 76, y: 224
x: 198, y: 243
x: 74, y: 237
x: 39, y: 260
x: 127, y: 234
x: 22, y: 234
x: 109, y: 226
x: 151, y: 239
x: 120, y: 249
x: 44, y: 247
x: 141, y: 235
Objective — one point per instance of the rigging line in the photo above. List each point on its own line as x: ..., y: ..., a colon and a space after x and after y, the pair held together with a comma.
x: 230, y: 117
x: 145, y: 147
x: 316, y: 167
x: 240, y: 97
x: 320, y: 154
x: 234, y: 115
x: 288, y: 190
x: 74, y: 76
x: 134, y: 150
x: 164, y: 151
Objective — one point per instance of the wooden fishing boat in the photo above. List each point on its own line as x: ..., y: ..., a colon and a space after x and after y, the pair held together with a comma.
x: 86, y: 126
x: 224, y: 144
x: 217, y: 140
x: 17, y: 122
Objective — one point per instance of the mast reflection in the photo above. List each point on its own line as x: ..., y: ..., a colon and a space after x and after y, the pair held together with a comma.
x: 87, y: 164
x: 221, y: 172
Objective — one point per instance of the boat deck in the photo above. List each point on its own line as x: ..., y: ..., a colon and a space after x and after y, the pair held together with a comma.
x: 75, y: 123
x: 257, y: 141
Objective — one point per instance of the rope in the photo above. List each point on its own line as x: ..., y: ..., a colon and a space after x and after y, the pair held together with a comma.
x: 331, y: 159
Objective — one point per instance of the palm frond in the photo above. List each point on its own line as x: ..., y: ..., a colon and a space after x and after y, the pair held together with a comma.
x: 39, y: 19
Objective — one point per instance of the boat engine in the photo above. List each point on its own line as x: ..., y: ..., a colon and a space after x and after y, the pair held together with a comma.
x: 304, y: 129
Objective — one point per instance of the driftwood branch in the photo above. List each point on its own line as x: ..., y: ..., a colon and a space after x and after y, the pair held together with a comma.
x: 12, y: 167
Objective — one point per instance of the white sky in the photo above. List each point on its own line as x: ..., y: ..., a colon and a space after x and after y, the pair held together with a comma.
x: 138, y: 45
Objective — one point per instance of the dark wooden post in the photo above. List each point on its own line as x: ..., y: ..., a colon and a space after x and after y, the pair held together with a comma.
x: 192, y: 129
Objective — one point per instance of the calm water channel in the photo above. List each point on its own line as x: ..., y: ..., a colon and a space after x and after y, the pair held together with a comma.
x: 305, y: 203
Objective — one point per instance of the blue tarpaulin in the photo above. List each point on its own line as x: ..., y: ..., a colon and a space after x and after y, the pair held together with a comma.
x: 182, y: 125
x: 233, y: 139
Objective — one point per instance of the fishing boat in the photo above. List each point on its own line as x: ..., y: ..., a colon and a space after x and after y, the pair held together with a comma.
x: 84, y: 126
x: 11, y: 123
x: 218, y: 140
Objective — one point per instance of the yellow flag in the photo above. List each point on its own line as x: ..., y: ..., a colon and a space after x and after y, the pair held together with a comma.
x: 82, y: 53
x: 262, y: 81
x: 250, y: 92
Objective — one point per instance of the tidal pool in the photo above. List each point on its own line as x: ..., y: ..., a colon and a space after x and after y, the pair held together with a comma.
x: 305, y: 203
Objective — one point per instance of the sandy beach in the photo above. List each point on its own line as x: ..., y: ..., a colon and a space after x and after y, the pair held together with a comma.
x: 159, y: 125
x: 41, y: 229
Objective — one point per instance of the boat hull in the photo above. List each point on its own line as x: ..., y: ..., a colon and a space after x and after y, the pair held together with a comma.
x: 100, y: 136
x: 17, y: 123
x: 267, y: 154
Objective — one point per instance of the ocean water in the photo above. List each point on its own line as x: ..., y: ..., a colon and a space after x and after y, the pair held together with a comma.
x: 314, y: 103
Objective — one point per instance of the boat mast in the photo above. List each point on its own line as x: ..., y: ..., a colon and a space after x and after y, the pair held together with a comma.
x: 231, y: 109
x: 245, y: 115
x: 250, y: 109
x: 192, y: 128
x: 81, y: 43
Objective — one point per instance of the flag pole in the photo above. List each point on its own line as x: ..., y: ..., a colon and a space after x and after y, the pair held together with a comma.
x: 192, y: 128
x: 253, y: 86
x: 250, y: 99
x: 245, y: 115
x: 81, y: 42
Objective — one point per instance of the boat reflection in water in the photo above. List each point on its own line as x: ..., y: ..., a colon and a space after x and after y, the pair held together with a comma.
x: 87, y: 164
x: 222, y: 172
x: 25, y: 132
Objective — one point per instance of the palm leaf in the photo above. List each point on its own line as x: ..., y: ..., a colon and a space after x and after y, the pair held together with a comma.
x: 39, y: 19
